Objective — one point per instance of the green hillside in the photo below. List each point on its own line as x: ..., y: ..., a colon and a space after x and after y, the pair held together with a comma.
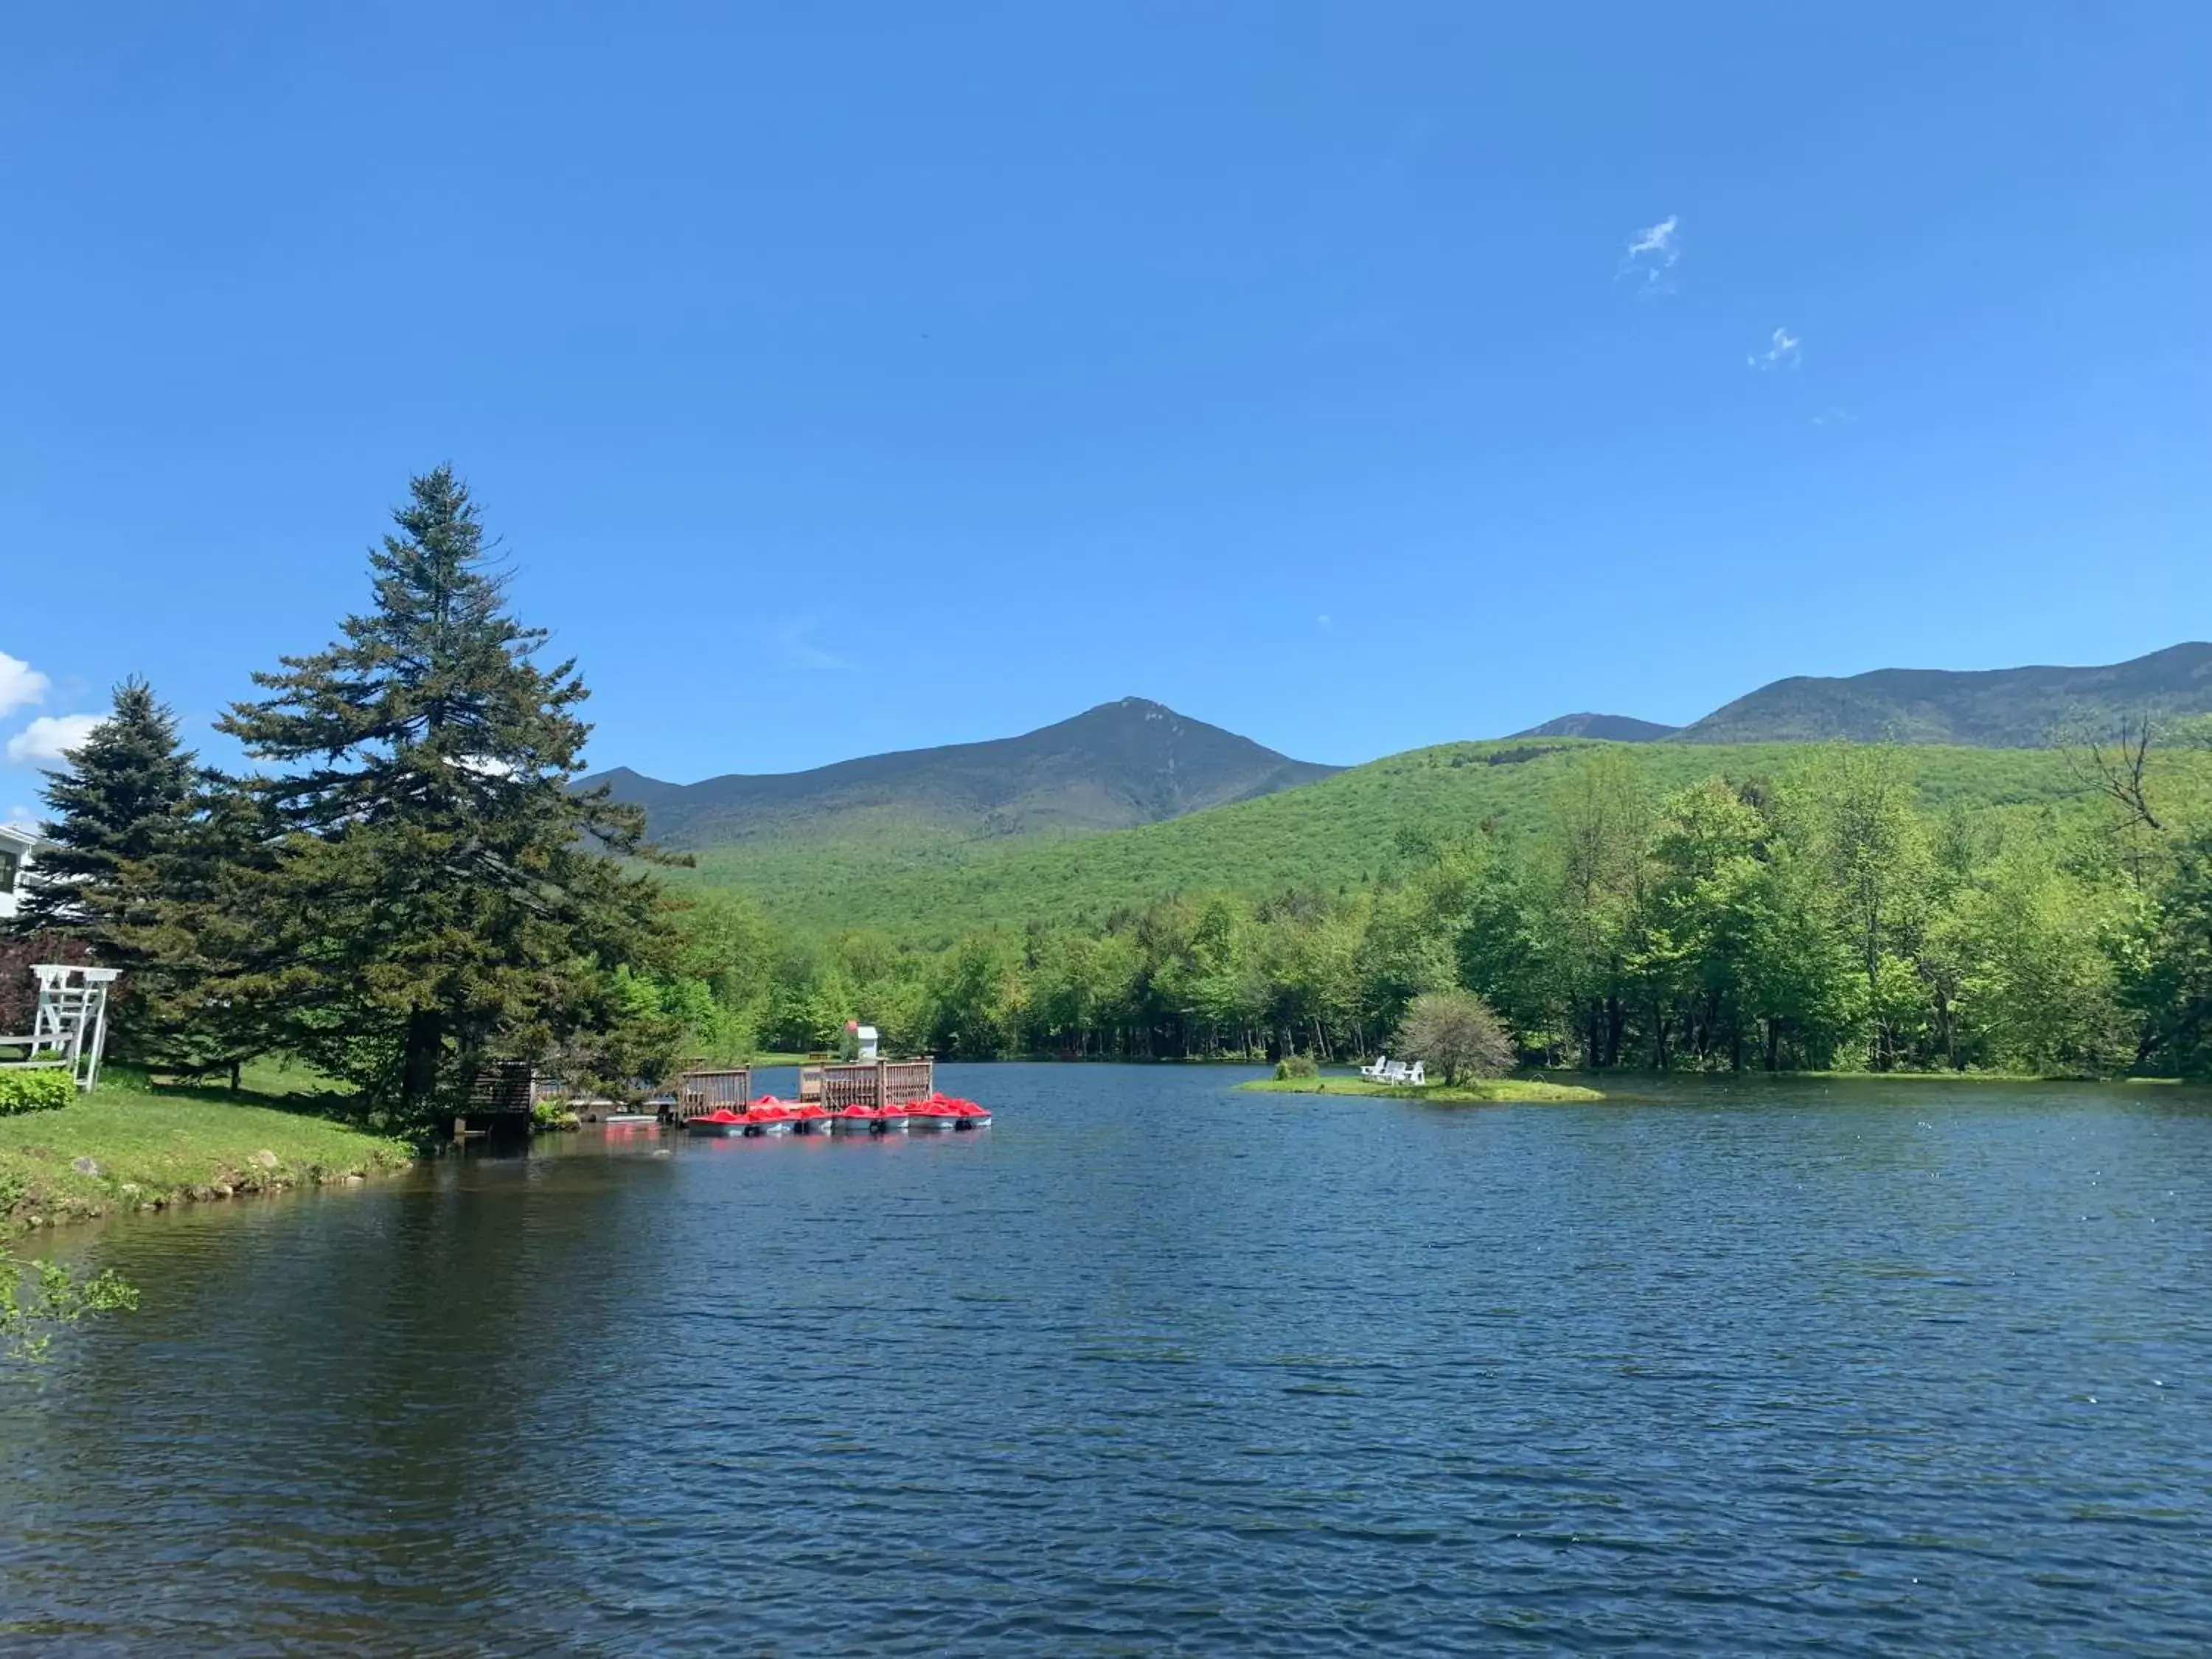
x: 927, y: 885
x: 1999, y: 707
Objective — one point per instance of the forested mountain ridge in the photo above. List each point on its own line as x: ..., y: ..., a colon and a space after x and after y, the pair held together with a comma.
x: 1789, y: 906
x: 1334, y: 836
x: 1132, y: 762
x: 1986, y: 708
x: 1990, y: 708
x: 1110, y: 768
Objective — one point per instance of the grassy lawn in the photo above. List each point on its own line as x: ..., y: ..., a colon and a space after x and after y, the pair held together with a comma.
x: 132, y: 1142
x: 1487, y: 1090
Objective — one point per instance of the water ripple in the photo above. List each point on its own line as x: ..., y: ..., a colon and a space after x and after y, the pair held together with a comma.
x: 1150, y: 1368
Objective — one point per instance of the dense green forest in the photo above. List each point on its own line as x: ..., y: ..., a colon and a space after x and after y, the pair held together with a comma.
x: 1831, y: 906
x: 924, y: 885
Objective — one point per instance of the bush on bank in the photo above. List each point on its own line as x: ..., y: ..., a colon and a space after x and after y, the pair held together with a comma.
x: 35, y: 1091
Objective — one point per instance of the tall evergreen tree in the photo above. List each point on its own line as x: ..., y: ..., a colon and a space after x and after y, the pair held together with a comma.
x: 117, y: 804
x: 439, y: 891
x: 135, y: 836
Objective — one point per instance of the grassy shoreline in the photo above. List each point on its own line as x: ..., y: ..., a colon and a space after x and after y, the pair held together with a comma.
x: 132, y: 1144
x: 1486, y: 1091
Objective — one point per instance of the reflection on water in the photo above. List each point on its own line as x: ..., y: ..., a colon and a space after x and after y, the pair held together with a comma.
x: 1863, y: 1368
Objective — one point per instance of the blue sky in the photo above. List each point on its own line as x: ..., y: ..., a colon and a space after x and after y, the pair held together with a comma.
x: 852, y: 377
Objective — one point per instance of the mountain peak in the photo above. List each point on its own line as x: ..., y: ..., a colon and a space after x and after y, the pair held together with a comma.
x: 1129, y: 707
x: 1116, y: 765
x: 1616, y: 728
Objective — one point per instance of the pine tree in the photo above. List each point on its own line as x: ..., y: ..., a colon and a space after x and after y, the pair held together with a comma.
x: 438, y: 892
x: 117, y: 805
x: 192, y: 926
x: 135, y: 836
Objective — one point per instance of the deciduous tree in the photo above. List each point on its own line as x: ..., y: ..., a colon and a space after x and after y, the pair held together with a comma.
x: 1455, y: 1033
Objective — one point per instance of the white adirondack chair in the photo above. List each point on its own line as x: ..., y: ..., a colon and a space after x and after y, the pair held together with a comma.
x: 1415, y: 1074
x: 1379, y: 1071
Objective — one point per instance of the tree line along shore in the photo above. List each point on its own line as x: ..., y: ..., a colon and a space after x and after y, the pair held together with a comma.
x: 1818, y: 915
x: 404, y: 881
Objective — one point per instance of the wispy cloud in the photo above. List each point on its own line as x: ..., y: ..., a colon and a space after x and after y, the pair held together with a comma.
x: 21, y: 685
x: 1781, y: 352
x: 483, y: 766
x: 1835, y: 416
x: 795, y: 648
x: 51, y: 736
x: 1651, y: 255
x: 1324, y: 620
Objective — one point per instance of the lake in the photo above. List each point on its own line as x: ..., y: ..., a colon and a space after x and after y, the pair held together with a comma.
x: 1836, y: 1368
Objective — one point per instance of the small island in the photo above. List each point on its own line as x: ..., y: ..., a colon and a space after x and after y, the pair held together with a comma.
x: 1456, y: 1033
x: 1473, y: 1091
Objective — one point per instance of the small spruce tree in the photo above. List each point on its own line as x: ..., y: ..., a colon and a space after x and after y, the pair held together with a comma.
x: 117, y: 804
x: 437, y: 891
x: 128, y: 820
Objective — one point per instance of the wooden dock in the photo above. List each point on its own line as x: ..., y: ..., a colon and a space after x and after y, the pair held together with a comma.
x: 867, y: 1083
x: 506, y: 1090
x: 728, y: 1088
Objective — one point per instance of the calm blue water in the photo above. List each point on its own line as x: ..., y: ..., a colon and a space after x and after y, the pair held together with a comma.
x: 1152, y: 1367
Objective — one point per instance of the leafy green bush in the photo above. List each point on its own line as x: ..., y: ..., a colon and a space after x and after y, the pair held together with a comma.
x: 35, y: 1091
x: 1291, y: 1066
x: 553, y: 1114
x: 1455, y: 1032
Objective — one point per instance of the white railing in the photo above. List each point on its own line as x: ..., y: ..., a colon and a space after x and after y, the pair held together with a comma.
x: 69, y: 1027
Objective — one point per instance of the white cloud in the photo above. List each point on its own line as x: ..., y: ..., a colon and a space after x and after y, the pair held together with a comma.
x: 1781, y: 352
x: 1835, y: 416
x: 483, y: 766
x: 51, y: 736
x: 1324, y: 622
x: 797, y: 650
x: 21, y: 685
x: 1651, y: 253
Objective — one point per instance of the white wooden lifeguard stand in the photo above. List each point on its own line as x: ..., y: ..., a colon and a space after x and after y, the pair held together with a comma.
x: 68, y: 1025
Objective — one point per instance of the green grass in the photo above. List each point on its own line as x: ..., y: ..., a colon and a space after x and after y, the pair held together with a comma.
x: 157, y: 1145
x: 928, y: 886
x: 1490, y: 1090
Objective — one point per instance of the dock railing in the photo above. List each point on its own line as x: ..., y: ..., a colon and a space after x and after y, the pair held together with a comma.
x: 698, y: 1093
x: 907, y: 1082
x: 868, y: 1083
x: 503, y: 1088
